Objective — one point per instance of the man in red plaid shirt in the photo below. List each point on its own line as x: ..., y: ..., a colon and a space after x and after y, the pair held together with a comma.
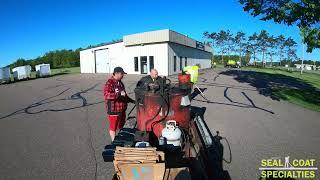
x: 116, y: 101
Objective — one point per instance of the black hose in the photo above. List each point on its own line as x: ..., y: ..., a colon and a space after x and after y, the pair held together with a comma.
x: 131, y: 111
x: 169, y: 81
x: 162, y: 119
x: 162, y: 94
x: 147, y: 122
x: 185, y: 137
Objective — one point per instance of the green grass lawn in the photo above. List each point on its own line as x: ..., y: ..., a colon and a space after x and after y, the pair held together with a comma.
x: 312, y: 77
x: 60, y: 71
x: 305, y: 97
x: 73, y: 70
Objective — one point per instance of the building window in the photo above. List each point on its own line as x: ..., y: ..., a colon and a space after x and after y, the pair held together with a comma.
x: 180, y: 63
x: 174, y: 63
x: 144, y: 64
x: 185, y: 61
x: 136, y: 64
x: 151, y: 62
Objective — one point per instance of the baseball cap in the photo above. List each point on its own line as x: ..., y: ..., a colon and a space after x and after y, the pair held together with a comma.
x: 118, y: 70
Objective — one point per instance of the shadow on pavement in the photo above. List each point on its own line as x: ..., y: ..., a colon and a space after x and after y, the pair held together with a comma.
x: 251, y: 104
x: 277, y: 86
x: 196, y: 92
x: 214, y: 153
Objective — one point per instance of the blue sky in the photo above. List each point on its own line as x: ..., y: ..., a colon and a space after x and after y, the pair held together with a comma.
x: 29, y: 28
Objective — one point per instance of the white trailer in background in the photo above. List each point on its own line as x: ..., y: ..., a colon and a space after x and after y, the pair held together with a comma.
x: 43, y: 70
x: 21, y: 72
x: 5, y: 75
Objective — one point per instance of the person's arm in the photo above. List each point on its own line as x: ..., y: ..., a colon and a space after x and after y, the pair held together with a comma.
x: 109, y: 92
x: 126, y: 98
x: 130, y: 100
x: 141, y: 83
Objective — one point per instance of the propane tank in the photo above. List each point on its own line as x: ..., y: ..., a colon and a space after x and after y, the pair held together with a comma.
x: 172, y: 133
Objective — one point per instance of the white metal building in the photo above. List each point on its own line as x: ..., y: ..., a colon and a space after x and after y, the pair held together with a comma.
x: 308, y: 67
x: 165, y: 50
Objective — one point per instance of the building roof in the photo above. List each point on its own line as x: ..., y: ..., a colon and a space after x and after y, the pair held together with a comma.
x: 165, y: 35
x: 157, y: 36
x: 103, y: 44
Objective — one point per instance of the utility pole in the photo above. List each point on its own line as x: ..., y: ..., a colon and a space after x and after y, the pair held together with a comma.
x: 302, y: 56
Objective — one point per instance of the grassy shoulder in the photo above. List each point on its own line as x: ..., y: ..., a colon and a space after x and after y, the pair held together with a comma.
x: 307, y: 96
x: 73, y: 70
x: 60, y: 71
x: 311, y: 77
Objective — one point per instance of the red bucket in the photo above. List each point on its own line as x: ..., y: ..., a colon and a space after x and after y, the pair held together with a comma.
x: 184, y: 78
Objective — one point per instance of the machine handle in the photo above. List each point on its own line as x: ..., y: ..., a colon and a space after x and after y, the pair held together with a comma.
x: 131, y: 110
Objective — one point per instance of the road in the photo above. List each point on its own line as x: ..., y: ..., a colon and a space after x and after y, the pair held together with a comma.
x: 55, y: 128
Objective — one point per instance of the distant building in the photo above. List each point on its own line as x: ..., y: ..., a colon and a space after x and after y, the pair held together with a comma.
x: 306, y: 66
x: 165, y: 50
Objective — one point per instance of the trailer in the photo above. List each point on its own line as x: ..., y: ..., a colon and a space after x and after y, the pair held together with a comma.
x: 21, y: 72
x: 5, y: 75
x: 167, y: 139
x: 43, y: 70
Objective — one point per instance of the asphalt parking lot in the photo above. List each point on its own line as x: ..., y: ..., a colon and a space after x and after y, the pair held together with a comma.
x: 55, y: 128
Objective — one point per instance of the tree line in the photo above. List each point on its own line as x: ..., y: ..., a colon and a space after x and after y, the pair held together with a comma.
x: 292, y: 63
x: 57, y: 59
x: 261, y: 46
x: 245, y: 61
x: 305, y: 14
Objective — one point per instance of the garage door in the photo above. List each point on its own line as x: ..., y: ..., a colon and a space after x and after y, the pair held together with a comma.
x: 102, y: 61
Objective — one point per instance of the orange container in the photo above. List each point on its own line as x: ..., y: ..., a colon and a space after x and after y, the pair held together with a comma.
x: 184, y: 78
